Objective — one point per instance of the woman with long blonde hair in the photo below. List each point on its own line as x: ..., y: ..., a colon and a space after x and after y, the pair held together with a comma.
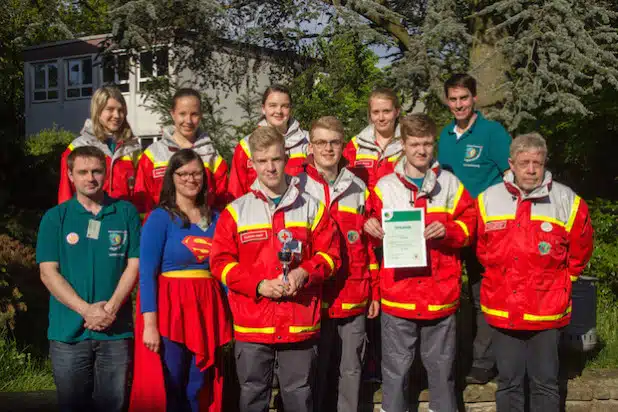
x: 107, y: 129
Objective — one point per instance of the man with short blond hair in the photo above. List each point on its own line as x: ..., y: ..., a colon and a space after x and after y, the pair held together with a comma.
x: 353, y: 292
x: 534, y: 240
x: 276, y: 311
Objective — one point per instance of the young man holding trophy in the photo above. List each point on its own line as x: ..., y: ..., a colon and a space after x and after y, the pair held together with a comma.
x: 273, y: 248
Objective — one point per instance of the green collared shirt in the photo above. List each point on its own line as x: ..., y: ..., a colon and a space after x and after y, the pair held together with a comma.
x: 92, y: 262
x: 479, y: 157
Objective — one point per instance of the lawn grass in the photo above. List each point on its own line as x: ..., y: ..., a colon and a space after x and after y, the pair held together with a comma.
x: 19, y: 370
x: 607, y: 330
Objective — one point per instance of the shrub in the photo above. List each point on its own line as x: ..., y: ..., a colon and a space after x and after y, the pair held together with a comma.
x: 604, y: 262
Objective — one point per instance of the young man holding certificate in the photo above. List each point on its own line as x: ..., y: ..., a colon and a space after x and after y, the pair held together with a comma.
x: 427, y: 216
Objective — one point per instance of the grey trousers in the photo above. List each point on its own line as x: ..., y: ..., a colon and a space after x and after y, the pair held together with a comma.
x: 340, y: 356
x: 437, y: 348
x: 534, y: 353
x: 293, y: 363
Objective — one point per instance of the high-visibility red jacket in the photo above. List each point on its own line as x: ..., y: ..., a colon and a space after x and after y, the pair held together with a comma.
x: 433, y: 291
x: 367, y: 160
x: 120, y: 173
x: 153, y: 162
x: 532, y: 247
x: 356, y: 283
x: 249, y: 234
x: 242, y: 175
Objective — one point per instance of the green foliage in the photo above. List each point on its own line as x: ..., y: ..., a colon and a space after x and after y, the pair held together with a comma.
x: 604, y: 262
x: 607, y: 319
x: 249, y: 102
x: 15, y: 260
x: 49, y: 142
x: 338, y: 83
x: 20, y: 370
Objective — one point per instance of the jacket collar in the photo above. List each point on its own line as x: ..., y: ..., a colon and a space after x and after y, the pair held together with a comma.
x: 294, y: 136
x: 343, y: 181
x: 538, y: 193
x: 203, y: 145
x: 123, y: 148
x: 429, y: 182
x: 288, y: 197
x: 367, y: 139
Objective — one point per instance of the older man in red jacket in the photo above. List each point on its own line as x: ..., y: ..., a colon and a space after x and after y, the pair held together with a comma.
x: 534, y: 240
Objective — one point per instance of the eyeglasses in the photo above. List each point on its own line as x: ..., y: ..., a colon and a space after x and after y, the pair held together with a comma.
x: 186, y: 175
x: 321, y: 144
x: 524, y: 164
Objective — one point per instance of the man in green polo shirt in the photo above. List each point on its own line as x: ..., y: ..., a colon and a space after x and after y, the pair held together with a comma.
x: 476, y: 150
x: 87, y: 250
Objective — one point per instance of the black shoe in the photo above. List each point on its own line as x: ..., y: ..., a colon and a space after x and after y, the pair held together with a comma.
x: 480, y: 376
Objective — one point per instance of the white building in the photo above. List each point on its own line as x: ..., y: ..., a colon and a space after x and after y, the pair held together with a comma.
x: 60, y: 78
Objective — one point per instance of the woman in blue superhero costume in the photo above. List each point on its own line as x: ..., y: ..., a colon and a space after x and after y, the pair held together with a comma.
x: 184, y: 314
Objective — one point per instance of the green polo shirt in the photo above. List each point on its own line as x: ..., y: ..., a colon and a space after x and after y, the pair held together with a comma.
x: 479, y: 157
x: 91, y: 262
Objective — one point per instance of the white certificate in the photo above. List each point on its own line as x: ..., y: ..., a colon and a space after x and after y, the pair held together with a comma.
x: 404, y: 240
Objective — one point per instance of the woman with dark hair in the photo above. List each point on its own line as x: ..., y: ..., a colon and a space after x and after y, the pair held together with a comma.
x: 184, y: 318
x: 186, y: 112
x: 276, y: 112
x: 107, y: 129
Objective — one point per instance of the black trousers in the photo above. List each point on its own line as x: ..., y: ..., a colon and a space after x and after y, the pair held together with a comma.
x: 532, y: 353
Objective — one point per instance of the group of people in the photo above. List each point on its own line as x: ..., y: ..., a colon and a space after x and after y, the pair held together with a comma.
x: 286, y: 259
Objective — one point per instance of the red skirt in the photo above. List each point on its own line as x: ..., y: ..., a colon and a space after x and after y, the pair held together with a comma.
x: 193, y: 312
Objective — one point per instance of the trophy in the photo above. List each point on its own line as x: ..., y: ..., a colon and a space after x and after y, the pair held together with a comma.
x: 285, y: 257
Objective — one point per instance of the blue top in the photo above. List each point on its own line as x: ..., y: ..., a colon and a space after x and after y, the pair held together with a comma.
x: 167, y: 246
x: 417, y: 181
x: 479, y: 157
x: 276, y: 200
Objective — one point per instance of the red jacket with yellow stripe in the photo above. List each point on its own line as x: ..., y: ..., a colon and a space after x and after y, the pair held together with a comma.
x: 532, y: 247
x: 356, y: 283
x: 367, y: 160
x: 249, y: 234
x: 243, y: 175
x: 120, y: 169
x: 433, y: 291
x: 153, y: 162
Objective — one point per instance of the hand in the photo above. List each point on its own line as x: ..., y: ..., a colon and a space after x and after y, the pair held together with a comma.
x: 273, y: 288
x: 152, y: 339
x: 110, y: 308
x: 374, y: 309
x: 435, y: 230
x: 296, y: 280
x: 97, y: 318
x: 373, y: 228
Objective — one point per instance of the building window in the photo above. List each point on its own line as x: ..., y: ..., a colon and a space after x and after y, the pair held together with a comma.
x: 153, y: 64
x: 45, y: 81
x: 79, y: 78
x: 116, y: 71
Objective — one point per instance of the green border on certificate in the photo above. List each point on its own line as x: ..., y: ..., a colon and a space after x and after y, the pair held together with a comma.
x: 404, y: 240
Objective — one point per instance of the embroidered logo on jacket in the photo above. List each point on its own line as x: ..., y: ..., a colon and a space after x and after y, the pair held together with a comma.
x: 199, y: 246
x: 353, y: 236
x: 158, y: 172
x: 254, y: 236
x: 544, y: 248
x: 364, y: 163
x: 473, y: 152
x: 497, y: 225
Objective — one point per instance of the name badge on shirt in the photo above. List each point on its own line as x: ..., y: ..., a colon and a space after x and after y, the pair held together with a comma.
x: 94, y: 227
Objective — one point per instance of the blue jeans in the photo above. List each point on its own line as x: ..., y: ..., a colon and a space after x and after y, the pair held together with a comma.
x: 91, y: 375
x: 183, y: 379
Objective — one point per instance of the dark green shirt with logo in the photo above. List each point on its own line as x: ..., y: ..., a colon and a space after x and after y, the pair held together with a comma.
x: 479, y: 157
x: 92, y: 253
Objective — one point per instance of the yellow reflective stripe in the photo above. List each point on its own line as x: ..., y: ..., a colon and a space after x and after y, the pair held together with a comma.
x: 463, y: 227
x: 328, y: 260
x: 481, y: 204
x: 439, y: 209
x: 393, y: 158
x: 353, y: 140
x: 378, y: 192
x: 232, y: 212
x: 574, y: 278
x: 457, y: 198
x: 128, y: 158
x: 351, y: 306
x: 347, y: 209
x: 318, y: 217
x: 215, y: 166
x: 254, y: 227
x: 298, y: 155
x: 149, y: 155
x: 366, y: 194
x: 574, y: 210
x: 495, y: 312
x: 545, y: 318
x: 187, y: 274
x: 539, y: 218
x: 436, y: 308
x: 304, y: 329
x: 245, y: 146
x: 408, y: 306
x: 226, y: 270
x: 158, y: 164
x: 374, y: 266
x: 366, y: 157
x: 71, y: 147
x: 297, y: 224
x: 242, y: 329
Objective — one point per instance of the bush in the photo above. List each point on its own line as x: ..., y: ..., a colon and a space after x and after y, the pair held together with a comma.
x: 20, y: 371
